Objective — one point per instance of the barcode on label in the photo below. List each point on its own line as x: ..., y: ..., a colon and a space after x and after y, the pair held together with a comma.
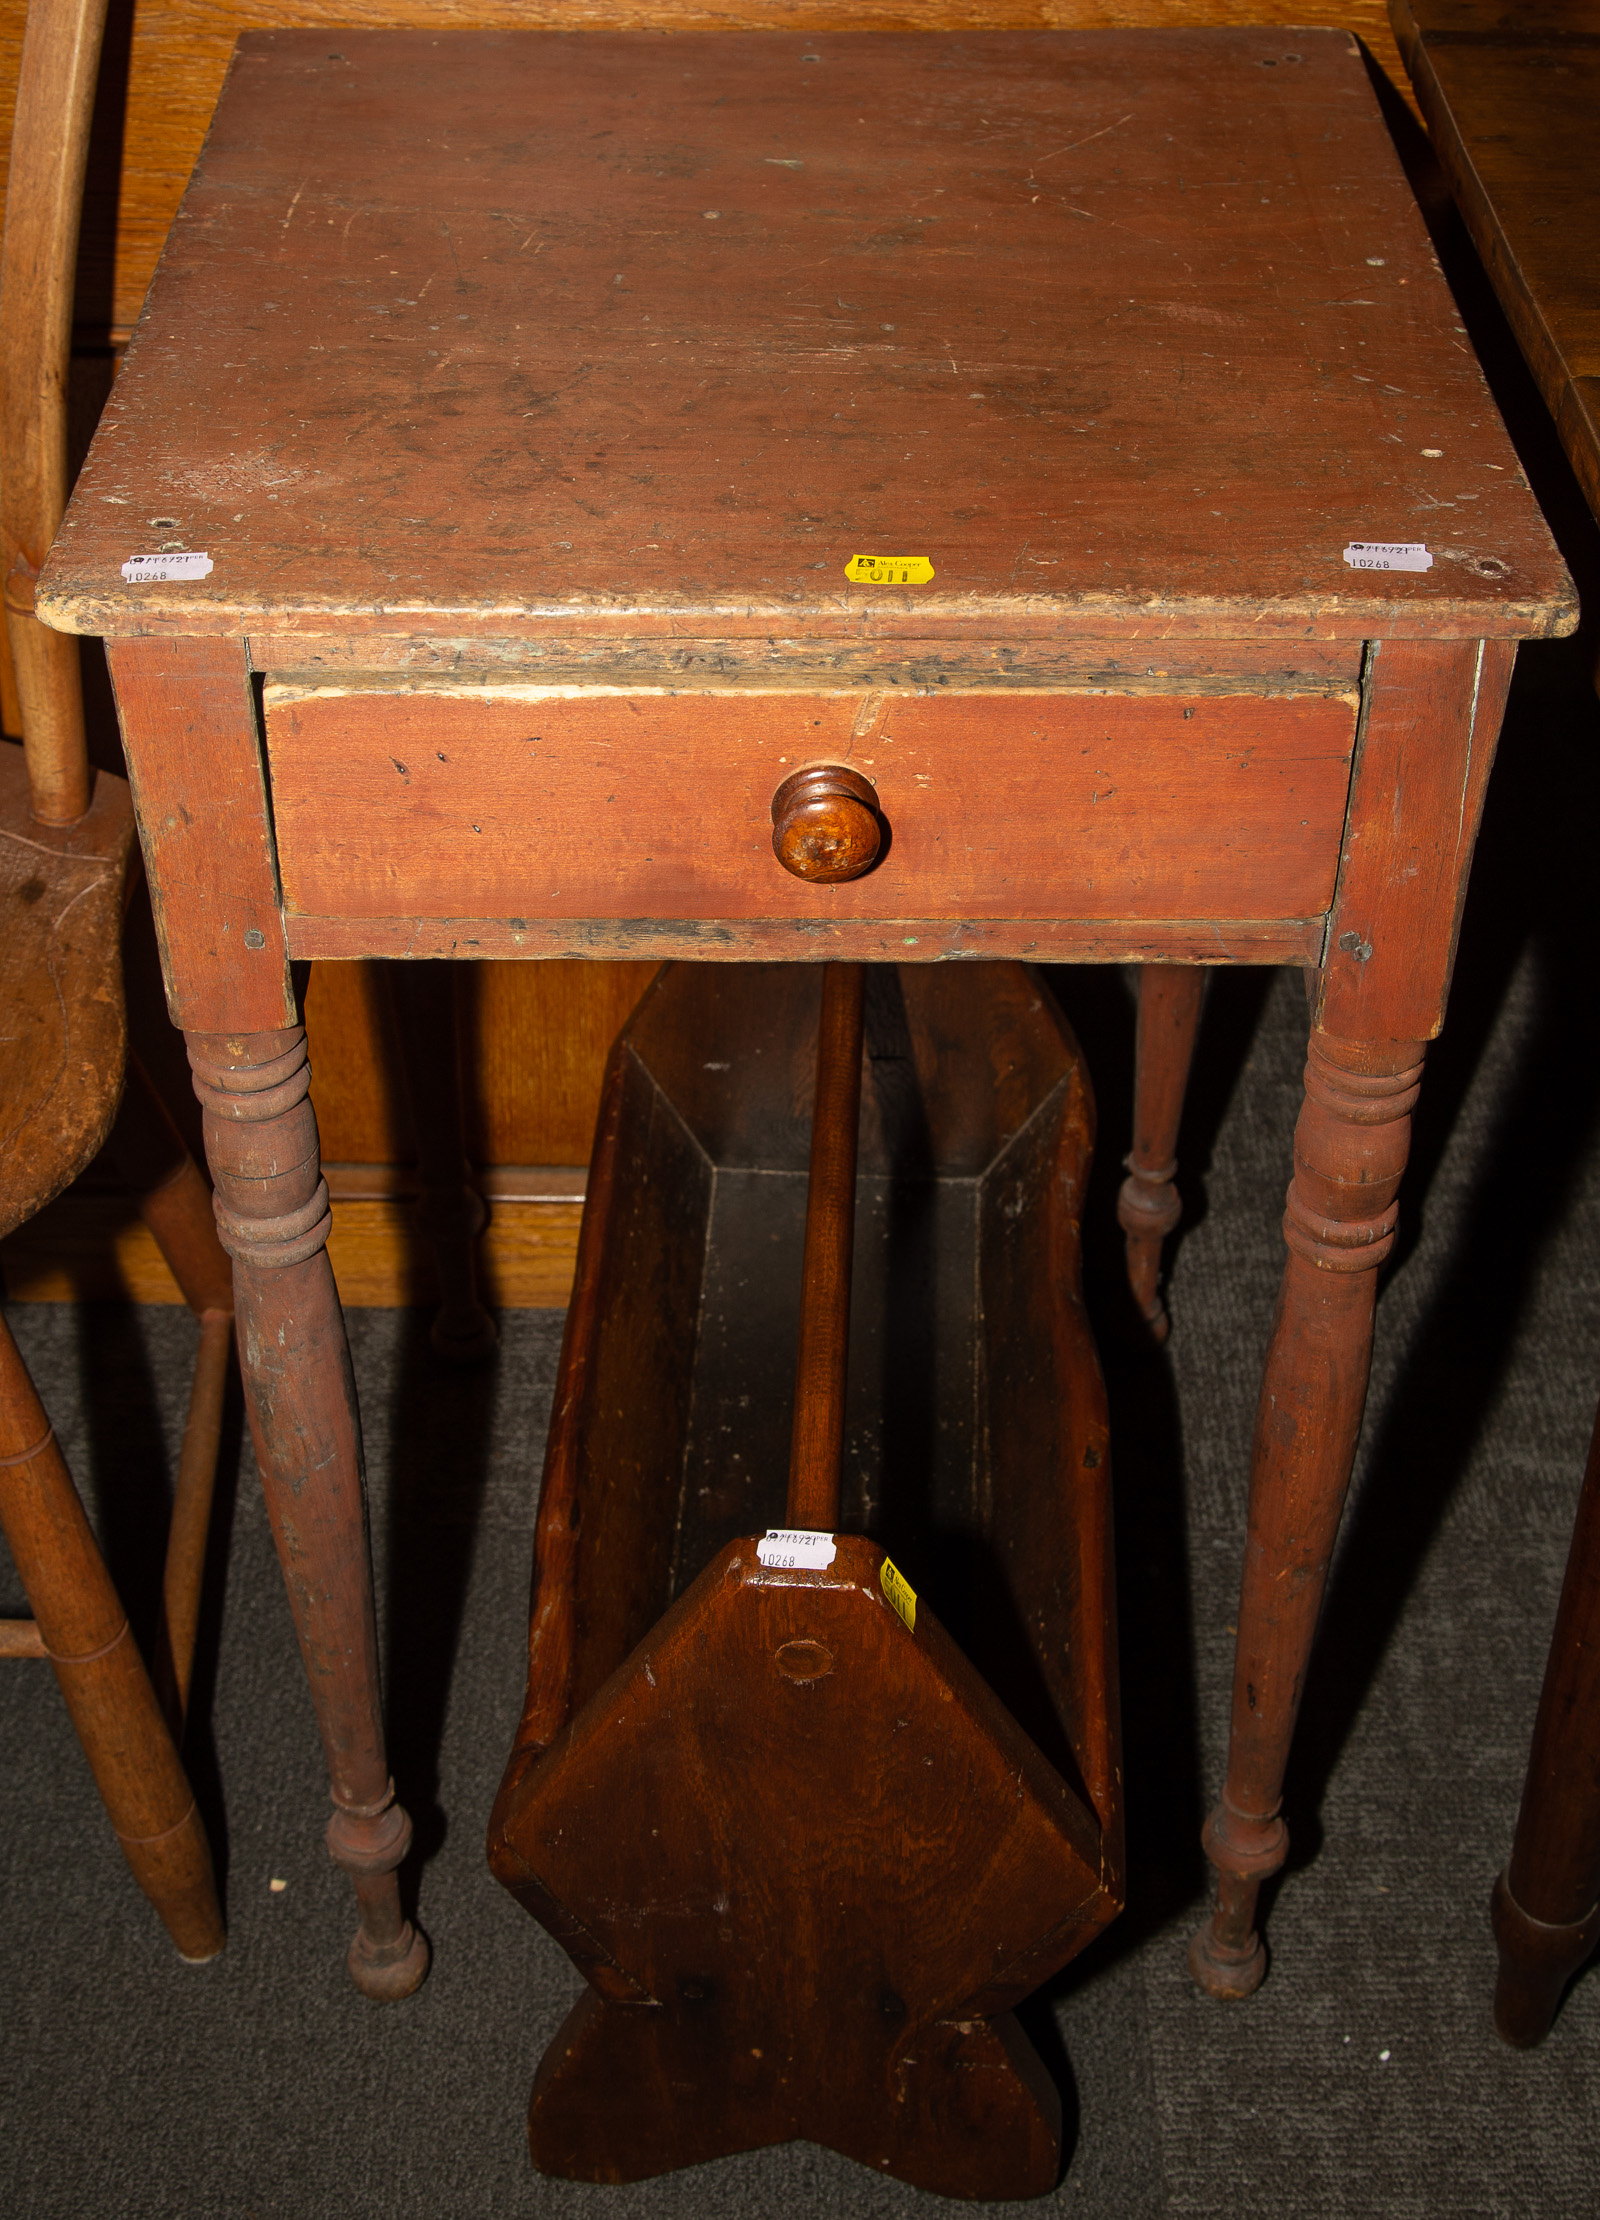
x: 902, y: 1597
x: 889, y: 570
x: 789, y: 1548
x: 1388, y: 555
x: 155, y: 570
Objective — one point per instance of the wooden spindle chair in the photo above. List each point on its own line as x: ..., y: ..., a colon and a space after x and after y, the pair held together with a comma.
x: 66, y: 844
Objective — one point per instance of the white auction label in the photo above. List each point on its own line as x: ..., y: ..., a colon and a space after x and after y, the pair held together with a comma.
x: 786, y: 1548
x: 153, y: 570
x: 1388, y: 555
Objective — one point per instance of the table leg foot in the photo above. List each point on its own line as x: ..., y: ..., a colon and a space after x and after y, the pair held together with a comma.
x: 388, y: 1973
x: 1227, y: 1958
x: 1227, y: 1973
x: 388, y: 1958
x: 1536, y: 1963
x: 1148, y: 1209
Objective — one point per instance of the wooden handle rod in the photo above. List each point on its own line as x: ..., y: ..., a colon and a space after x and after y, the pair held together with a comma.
x: 819, y: 1384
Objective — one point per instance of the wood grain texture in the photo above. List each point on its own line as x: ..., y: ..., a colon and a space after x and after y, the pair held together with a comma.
x: 61, y: 1063
x: 541, y: 1032
x: 172, y: 56
x: 643, y: 806
x: 1010, y: 379
x: 91, y: 1246
x: 149, y: 1158
x: 194, y: 761
x: 612, y: 941
x: 1510, y: 97
x: 725, y: 2013
x: 1143, y: 659
x: 825, y: 825
x: 817, y: 1441
x: 1148, y: 1202
x: 272, y: 1215
x: 1430, y: 726
x: 1350, y: 1148
x: 535, y: 1041
x: 49, y: 151
x: 68, y: 979
x: 859, y: 2028
x: 183, y: 1574
x: 80, y: 1619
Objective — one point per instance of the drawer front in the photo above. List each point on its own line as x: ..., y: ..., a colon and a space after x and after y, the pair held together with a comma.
x: 506, y: 802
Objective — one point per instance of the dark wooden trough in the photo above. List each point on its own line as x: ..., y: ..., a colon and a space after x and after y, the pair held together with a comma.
x: 812, y: 1832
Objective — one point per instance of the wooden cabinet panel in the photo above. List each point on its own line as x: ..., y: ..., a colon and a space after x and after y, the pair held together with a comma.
x: 534, y: 1044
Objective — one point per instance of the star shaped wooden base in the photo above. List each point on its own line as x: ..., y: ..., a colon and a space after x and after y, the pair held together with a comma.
x: 805, y: 1855
x: 808, y: 1862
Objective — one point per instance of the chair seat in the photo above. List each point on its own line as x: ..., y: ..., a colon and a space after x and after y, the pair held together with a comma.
x: 63, y: 1032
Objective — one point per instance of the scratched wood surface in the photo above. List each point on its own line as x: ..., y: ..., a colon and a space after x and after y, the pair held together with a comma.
x: 1512, y: 97
x: 539, y: 1032
x: 65, y: 1031
x: 199, y: 786
x: 1433, y: 719
x: 641, y: 805
x: 166, y: 60
x: 1119, y: 330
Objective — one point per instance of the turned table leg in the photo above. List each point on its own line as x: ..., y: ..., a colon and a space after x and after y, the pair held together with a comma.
x: 424, y: 1003
x: 1546, y: 1905
x: 1350, y: 1151
x: 1149, y: 1206
x: 272, y: 1214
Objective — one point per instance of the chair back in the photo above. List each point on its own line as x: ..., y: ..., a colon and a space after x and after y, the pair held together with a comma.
x: 44, y: 205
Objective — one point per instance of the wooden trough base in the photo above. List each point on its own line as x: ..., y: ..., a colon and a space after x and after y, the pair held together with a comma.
x: 807, y: 1850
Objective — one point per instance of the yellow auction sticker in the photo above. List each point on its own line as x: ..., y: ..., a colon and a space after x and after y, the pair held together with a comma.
x: 889, y: 570
x: 902, y: 1596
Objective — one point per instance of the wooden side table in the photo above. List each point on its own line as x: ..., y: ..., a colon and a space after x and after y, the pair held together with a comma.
x: 1512, y: 108
x: 536, y: 448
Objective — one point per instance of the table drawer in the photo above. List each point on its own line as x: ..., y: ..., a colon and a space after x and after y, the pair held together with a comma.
x: 514, y: 802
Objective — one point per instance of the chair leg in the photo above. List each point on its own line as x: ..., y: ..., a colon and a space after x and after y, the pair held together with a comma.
x: 1546, y: 1905
x: 1149, y: 1206
x: 192, y: 1498
x: 425, y: 1006
x: 102, y: 1676
x: 175, y: 1203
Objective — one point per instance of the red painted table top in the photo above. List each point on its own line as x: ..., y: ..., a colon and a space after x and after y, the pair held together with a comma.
x: 529, y: 334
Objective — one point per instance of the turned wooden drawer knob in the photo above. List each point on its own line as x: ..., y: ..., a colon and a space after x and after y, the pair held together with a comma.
x: 825, y: 824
